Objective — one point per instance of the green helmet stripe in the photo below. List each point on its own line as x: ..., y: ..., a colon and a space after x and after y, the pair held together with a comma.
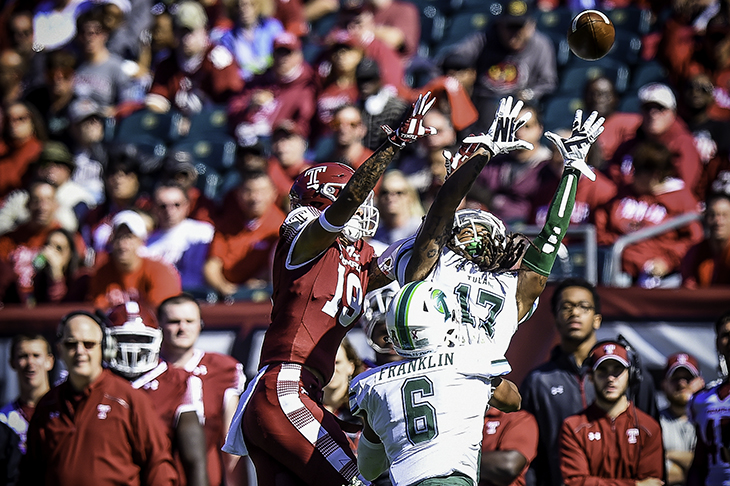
x: 401, y: 315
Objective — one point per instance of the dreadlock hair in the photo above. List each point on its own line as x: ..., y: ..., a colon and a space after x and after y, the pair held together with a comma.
x: 497, y: 254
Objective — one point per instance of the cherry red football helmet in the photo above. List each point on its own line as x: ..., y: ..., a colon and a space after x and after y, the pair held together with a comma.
x: 319, y: 185
x: 134, y: 333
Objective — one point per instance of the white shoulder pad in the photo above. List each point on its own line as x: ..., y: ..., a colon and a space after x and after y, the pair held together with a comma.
x: 220, y: 57
x: 296, y: 220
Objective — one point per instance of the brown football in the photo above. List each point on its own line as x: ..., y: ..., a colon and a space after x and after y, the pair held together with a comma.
x: 591, y: 35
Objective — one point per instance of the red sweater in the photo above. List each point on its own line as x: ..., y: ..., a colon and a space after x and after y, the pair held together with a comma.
x: 596, y: 450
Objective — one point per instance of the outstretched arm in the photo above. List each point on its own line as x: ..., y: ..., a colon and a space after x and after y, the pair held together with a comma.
x: 506, y: 396
x: 540, y: 256
x: 323, y: 232
x: 471, y: 158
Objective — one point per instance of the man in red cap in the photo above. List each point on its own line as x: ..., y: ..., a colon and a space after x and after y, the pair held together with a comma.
x: 682, y: 378
x: 611, y: 439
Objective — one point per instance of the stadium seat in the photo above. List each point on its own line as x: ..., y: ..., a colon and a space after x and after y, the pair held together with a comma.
x: 578, y: 72
x: 629, y: 103
x: 215, y: 152
x: 562, y: 50
x: 209, y: 181
x: 632, y: 19
x: 145, y: 125
x: 649, y: 72
x: 626, y: 47
x: 461, y: 25
x: 433, y: 23
x: 558, y: 111
x: 557, y: 20
x: 211, y: 120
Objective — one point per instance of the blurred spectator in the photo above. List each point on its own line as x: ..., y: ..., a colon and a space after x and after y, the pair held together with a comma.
x: 612, y: 417
x: 453, y: 91
x: 682, y: 378
x: 711, y: 136
x: 31, y: 357
x: 54, y: 22
x: 336, y: 81
x: 197, y: 73
x: 400, y: 209
x: 286, y: 91
x: 652, y: 198
x: 54, y: 165
x: 122, y: 191
x: 245, y: 238
x: 425, y: 167
x: 512, y: 178
x: 60, y: 274
x: 161, y: 41
x: 100, y: 75
x: 179, y: 240
x: 124, y: 39
x: 20, y: 247
x: 90, y: 153
x: 379, y: 104
x: 291, y: 14
x: 53, y: 97
x: 12, y: 71
x: 349, y: 132
x: 590, y: 194
x: 708, y: 263
x: 127, y: 275
x: 287, y: 161
x: 335, y: 395
x: 398, y: 25
x: 358, y: 19
x: 178, y: 167
x: 316, y: 9
x: 509, y: 444
x: 20, y: 33
x: 252, y: 38
x: 23, y: 136
x: 600, y: 95
x: 660, y: 124
x: 511, y: 57
x: 222, y: 379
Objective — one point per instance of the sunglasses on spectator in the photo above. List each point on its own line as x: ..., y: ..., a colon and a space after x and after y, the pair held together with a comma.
x: 352, y: 124
x: 71, y: 345
x: 705, y: 88
x: 393, y: 193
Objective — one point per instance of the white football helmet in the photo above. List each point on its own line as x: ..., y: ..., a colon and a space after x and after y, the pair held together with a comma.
x: 471, y: 218
x: 421, y: 318
x: 365, y: 221
x: 375, y: 308
x: 134, y: 333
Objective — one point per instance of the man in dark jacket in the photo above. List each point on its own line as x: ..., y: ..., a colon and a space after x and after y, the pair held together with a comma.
x: 560, y: 387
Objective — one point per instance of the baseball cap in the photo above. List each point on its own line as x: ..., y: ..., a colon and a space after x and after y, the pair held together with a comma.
x: 287, y: 40
x: 124, y: 5
x: 609, y: 350
x: 81, y: 109
x: 190, y: 15
x: 131, y: 220
x: 56, y: 152
x: 367, y: 70
x: 341, y: 37
x: 287, y: 127
x: 658, y: 93
x: 681, y: 360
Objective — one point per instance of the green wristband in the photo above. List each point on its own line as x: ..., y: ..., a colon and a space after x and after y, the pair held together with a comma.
x: 540, y: 256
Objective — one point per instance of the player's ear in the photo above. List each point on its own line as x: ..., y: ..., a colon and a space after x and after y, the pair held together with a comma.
x: 597, y: 320
x: 50, y: 361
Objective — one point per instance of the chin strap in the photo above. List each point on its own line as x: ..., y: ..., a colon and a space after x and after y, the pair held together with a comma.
x: 541, y: 254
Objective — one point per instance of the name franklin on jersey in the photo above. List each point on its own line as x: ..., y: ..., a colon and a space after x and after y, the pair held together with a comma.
x: 417, y: 364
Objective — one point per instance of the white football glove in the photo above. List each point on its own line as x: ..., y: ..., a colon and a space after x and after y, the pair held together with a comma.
x: 412, y: 129
x: 501, y: 137
x: 575, y: 149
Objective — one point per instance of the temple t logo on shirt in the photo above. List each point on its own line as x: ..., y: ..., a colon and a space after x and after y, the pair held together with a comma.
x: 633, y: 435
x: 103, y: 411
x: 594, y: 436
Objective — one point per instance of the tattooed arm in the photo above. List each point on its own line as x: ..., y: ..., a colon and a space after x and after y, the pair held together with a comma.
x: 315, y: 238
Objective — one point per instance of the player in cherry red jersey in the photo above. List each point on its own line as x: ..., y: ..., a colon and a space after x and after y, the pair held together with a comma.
x: 134, y: 353
x: 221, y: 376
x: 322, y: 269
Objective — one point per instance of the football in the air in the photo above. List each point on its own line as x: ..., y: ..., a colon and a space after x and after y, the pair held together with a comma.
x: 591, y: 35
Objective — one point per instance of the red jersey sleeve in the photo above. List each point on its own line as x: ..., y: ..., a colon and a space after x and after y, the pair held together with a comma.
x: 152, y: 444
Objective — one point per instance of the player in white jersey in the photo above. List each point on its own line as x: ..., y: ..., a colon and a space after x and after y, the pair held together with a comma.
x: 477, y: 261
x: 709, y: 410
x: 417, y: 420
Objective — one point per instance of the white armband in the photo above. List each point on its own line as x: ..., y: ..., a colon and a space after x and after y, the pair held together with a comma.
x: 328, y: 227
x: 371, y: 458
